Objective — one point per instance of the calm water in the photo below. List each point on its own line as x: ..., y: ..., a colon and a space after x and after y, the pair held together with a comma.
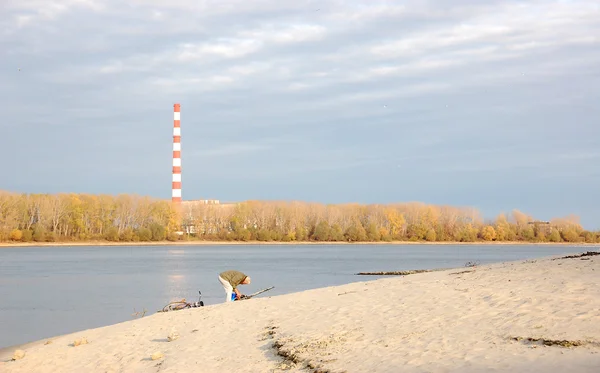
x: 48, y: 291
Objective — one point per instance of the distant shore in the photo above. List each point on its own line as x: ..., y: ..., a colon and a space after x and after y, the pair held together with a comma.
x: 256, y: 243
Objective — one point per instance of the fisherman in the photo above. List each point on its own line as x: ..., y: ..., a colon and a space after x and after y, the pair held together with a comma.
x: 230, y: 281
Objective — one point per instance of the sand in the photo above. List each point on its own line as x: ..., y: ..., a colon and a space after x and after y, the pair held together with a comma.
x: 461, y: 320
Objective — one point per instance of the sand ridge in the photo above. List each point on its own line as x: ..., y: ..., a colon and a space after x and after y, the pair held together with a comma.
x: 502, y: 317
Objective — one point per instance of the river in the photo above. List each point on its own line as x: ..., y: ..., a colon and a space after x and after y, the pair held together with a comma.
x: 49, y: 291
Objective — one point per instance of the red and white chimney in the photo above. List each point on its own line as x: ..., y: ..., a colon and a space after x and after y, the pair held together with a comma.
x: 176, y: 187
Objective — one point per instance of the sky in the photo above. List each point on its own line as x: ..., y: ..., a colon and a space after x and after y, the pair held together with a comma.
x: 492, y: 104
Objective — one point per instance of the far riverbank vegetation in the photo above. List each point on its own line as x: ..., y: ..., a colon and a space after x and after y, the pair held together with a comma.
x: 133, y: 218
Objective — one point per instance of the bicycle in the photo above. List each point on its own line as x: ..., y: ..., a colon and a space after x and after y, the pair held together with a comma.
x: 183, y: 304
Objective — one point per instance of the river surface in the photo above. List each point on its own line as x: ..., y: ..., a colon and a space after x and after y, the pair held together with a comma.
x: 49, y: 291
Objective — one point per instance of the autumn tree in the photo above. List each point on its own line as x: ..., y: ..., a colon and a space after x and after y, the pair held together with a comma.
x: 132, y: 218
x: 488, y: 233
x: 322, y: 232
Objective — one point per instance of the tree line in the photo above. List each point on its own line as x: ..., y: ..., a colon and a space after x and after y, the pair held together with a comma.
x: 85, y: 217
x: 133, y: 218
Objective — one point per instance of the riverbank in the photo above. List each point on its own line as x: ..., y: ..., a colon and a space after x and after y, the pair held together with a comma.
x: 535, y: 316
x: 204, y: 243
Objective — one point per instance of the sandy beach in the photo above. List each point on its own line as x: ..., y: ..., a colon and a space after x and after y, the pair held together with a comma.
x: 524, y: 316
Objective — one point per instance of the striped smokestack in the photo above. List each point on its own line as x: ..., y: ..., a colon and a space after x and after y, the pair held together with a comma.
x: 176, y: 154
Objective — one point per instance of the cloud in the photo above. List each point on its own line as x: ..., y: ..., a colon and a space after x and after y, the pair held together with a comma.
x: 229, y: 150
x: 342, y: 89
x: 231, y: 48
x: 28, y: 13
x: 541, y: 163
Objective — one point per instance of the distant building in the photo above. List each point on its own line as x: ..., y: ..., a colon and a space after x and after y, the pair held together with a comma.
x: 195, y: 217
x: 201, y: 202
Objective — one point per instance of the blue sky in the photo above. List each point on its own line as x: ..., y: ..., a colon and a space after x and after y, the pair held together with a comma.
x: 487, y: 104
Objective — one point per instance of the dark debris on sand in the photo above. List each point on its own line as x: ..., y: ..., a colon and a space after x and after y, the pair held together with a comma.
x: 589, y: 253
x: 550, y: 342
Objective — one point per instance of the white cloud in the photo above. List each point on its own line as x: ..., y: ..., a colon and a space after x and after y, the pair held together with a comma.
x: 156, y: 14
x: 45, y: 10
x: 353, y: 87
x: 295, y: 33
x: 250, y: 68
x: 508, y: 27
x: 298, y: 86
x: 229, y: 150
x: 365, y: 12
x: 224, y: 48
x: 507, y: 162
x: 221, y: 79
x: 332, y: 51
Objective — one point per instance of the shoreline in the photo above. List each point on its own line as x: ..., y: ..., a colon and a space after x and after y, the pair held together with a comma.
x: 285, y: 243
x: 522, y: 316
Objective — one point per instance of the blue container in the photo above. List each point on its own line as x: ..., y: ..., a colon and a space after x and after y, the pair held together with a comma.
x: 232, y: 296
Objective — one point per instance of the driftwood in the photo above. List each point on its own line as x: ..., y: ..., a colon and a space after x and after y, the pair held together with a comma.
x: 139, y: 313
x: 589, y: 253
x: 461, y: 272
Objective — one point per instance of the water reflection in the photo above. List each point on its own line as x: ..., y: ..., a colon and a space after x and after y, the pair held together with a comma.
x: 176, y: 284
